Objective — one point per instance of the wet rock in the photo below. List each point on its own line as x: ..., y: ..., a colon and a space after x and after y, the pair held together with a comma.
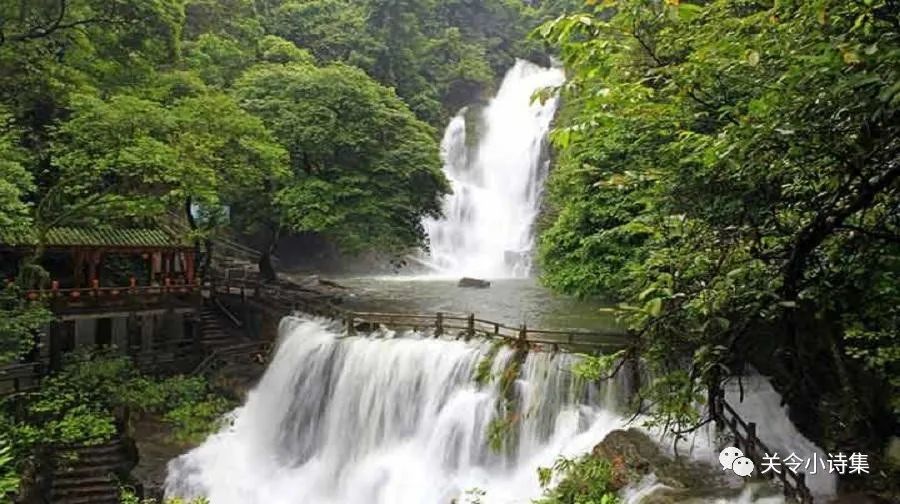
x: 331, y: 283
x: 677, y: 480
x: 476, y: 283
x: 892, y: 451
x: 308, y: 281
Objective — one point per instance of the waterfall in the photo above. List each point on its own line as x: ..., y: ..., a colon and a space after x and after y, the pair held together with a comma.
x: 394, y: 420
x: 497, y: 178
x: 402, y: 418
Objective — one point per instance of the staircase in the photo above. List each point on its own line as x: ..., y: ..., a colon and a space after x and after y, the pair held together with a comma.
x: 212, y: 334
x: 92, y: 478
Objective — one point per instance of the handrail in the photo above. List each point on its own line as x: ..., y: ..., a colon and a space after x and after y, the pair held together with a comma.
x: 231, y: 316
x: 793, y: 483
x: 77, y: 292
x: 206, y: 364
x: 438, y: 322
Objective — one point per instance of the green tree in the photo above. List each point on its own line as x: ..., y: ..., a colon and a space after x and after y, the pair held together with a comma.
x: 332, y: 30
x: 15, y: 180
x: 364, y: 169
x: 136, y: 158
x: 732, y: 169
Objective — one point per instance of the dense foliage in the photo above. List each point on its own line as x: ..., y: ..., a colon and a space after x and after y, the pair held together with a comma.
x: 732, y: 170
x: 365, y: 170
x: 587, y: 479
x: 119, y: 113
x: 86, y: 403
x: 238, y: 117
x: 438, y: 55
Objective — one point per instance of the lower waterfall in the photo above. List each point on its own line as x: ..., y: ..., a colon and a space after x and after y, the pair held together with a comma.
x: 392, y: 420
x: 402, y: 418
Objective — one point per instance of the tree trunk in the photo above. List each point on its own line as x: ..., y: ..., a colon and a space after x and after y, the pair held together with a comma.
x: 266, y: 269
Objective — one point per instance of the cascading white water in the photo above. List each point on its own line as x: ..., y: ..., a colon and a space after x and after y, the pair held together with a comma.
x: 497, y: 178
x: 395, y: 420
x: 404, y: 419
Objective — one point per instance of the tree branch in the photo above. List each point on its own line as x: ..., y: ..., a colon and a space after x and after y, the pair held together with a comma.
x: 888, y: 237
x: 39, y: 32
x: 826, y: 221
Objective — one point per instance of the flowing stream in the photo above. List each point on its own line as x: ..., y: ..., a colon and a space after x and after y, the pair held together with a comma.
x: 496, y: 160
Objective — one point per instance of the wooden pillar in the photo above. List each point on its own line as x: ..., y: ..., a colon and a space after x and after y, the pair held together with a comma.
x: 189, y: 272
x: 99, y: 256
x: 55, y: 344
x: 78, y: 259
x: 351, y: 329
x: 751, y: 441
x: 439, y: 324
x: 92, y: 268
x: 152, y: 267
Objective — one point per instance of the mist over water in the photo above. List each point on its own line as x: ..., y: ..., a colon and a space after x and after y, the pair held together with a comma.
x: 497, y: 178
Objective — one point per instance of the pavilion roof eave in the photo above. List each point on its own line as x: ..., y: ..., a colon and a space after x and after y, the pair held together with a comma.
x: 119, y: 239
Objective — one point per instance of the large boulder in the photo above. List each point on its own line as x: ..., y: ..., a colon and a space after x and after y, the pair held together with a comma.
x: 476, y: 283
x: 676, y: 480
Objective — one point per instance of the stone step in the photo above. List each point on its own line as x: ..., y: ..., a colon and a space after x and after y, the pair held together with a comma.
x: 97, y: 458
x: 112, y: 498
x: 96, y: 491
x: 109, y: 446
x: 82, y: 470
x: 67, y: 481
x: 89, y: 500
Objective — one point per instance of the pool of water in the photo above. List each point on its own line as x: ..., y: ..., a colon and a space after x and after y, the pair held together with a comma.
x: 509, y: 301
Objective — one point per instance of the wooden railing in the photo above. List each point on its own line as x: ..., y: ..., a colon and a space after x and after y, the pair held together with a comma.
x: 793, y: 483
x: 232, y: 354
x: 437, y: 324
x: 468, y: 326
x: 84, y: 294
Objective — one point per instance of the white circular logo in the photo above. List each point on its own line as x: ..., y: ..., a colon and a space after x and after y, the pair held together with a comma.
x: 728, y: 456
x: 742, y: 466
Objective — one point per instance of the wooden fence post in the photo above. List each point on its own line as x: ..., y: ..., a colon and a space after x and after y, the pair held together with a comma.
x: 470, y: 326
x: 751, y: 441
x: 351, y: 329
x: 439, y: 325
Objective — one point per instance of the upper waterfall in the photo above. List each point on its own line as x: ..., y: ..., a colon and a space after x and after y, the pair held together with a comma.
x: 497, y: 178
